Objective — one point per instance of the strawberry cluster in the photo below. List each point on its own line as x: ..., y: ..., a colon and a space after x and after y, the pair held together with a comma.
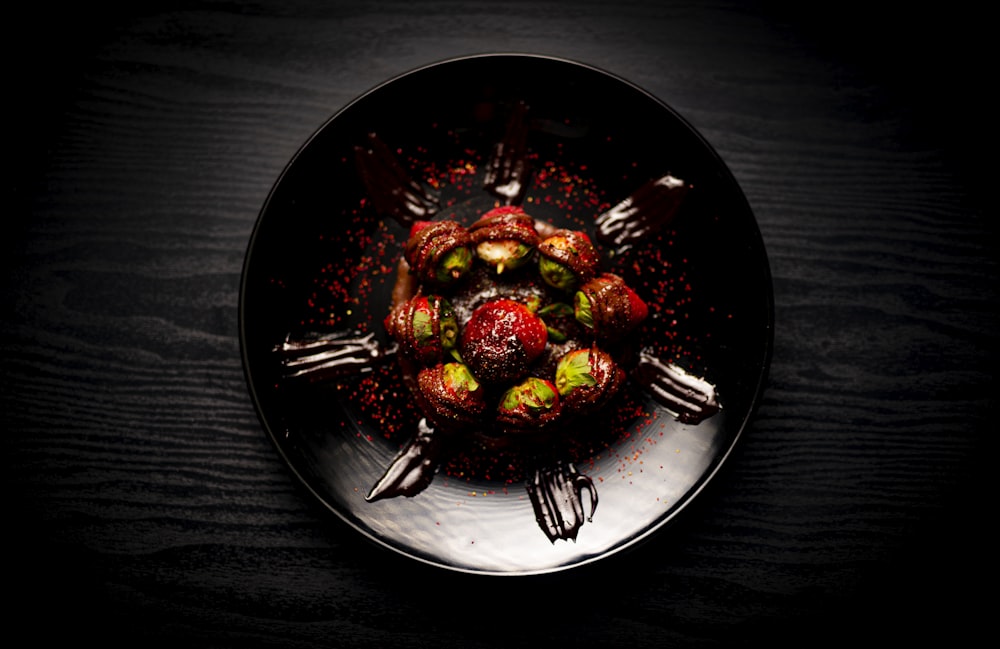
x: 516, y: 364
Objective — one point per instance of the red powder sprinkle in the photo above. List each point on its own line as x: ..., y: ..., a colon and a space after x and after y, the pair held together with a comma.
x: 361, y: 252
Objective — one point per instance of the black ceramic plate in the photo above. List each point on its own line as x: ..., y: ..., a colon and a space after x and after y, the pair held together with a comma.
x: 575, y: 147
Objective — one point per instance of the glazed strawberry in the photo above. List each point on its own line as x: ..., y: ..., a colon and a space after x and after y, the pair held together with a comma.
x: 439, y: 252
x: 587, y: 379
x: 418, y: 226
x: 501, y: 340
x: 425, y: 328
x: 504, y: 238
x: 567, y: 258
x: 451, y: 397
x: 608, y: 307
x: 529, y: 406
x: 639, y: 309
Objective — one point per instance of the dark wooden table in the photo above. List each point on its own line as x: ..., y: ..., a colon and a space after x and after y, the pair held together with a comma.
x: 146, y: 507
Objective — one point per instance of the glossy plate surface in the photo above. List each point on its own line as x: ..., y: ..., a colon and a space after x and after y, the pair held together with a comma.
x: 321, y: 265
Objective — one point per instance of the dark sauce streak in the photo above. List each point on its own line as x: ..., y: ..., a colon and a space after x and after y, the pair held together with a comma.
x: 508, y: 170
x: 413, y: 469
x: 556, y: 492
x: 392, y: 191
x: 691, y: 399
x: 646, y: 212
x: 337, y: 355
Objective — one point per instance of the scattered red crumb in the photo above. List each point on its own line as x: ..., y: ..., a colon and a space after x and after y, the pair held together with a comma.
x: 345, y: 283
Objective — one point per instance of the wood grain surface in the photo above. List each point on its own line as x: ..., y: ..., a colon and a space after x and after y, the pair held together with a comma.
x: 148, y: 508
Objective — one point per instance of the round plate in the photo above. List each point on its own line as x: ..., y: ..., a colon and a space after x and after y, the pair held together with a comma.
x: 575, y: 147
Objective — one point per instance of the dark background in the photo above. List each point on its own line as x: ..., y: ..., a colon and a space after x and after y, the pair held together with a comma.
x: 147, y: 507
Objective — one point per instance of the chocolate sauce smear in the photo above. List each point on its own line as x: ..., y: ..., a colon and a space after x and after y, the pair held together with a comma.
x: 337, y: 355
x: 508, y: 170
x: 393, y: 192
x: 413, y: 469
x: 556, y: 492
x: 691, y: 399
x: 646, y: 212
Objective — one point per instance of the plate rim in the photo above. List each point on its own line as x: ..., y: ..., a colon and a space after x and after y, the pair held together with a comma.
x: 721, y: 458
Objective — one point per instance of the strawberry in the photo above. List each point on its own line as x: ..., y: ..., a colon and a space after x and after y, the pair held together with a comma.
x: 529, y: 406
x: 639, y: 309
x: 451, y: 397
x: 425, y: 328
x: 567, y: 258
x: 438, y: 252
x: 608, y: 307
x: 418, y: 226
x: 587, y: 379
x: 504, y: 238
x: 501, y: 340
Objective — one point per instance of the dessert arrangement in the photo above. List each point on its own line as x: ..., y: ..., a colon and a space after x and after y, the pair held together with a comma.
x: 510, y: 333
x: 510, y: 327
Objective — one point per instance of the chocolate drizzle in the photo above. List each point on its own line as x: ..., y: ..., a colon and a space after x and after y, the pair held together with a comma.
x: 505, y: 223
x: 649, y: 210
x: 611, y: 311
x: 508, y: 171
x: 414, y: 467
x: 691, y: 399
x: 556, y: 493
x: 429, y: 247
x: 392, y: 191
x: 574, y: 250
x: 337, y: 355
x: 450, y: 407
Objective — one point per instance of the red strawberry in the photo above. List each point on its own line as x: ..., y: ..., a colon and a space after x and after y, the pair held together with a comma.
x: 587, y: 379
x: 637, y: 308
x: 609, y: 307
x: 504, y: 238
x: 501, y: 339
x: 529, y: 406
x: 567, y: 258
x: 418, y: 226
x: 424, y: 326
x: 438, y: 252
x: 451, y: 397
